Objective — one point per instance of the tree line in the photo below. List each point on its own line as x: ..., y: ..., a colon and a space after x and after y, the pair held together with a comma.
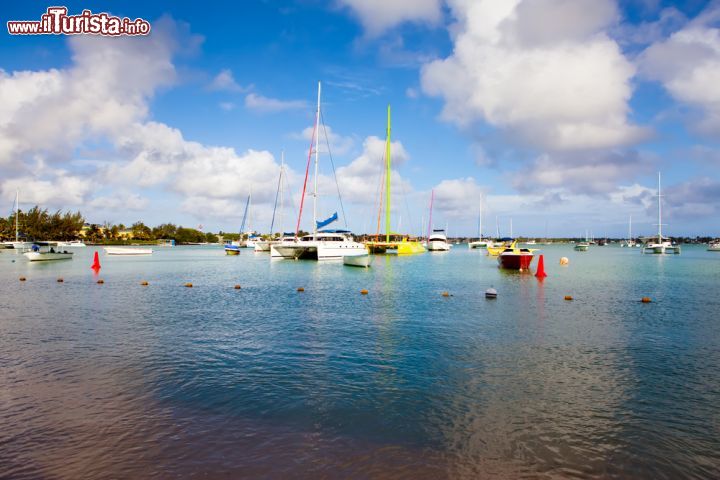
x: 40, y: 224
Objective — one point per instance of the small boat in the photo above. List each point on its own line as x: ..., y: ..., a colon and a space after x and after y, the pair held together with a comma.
x: 127, y: 251
x: 72, y: 244
x: 491, y: 293
x: 514, y: 258
x: 582, y: 246
x: 231, y: 249
x: 662, y: 245
x: 714, y: 246
x: 361, y: 260
x: 481, y: 243
x: 45, y: 251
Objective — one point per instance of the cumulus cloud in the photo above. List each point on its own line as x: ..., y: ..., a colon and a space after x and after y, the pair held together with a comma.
x: 688, y: 66
x: 544, y: 70
x: 259, y: 103
x: 378, y: 16
x: 225, y: 81
x: 46, y: 116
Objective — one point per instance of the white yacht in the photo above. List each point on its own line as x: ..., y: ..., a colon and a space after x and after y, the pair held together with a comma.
x: 714, y: 246
x: 72, y: 244
x: 662, y: 245
x: 322, y: 245
x: 437, y: 241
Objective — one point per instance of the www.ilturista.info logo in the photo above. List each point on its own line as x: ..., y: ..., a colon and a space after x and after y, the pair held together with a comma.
x: 57, y: 22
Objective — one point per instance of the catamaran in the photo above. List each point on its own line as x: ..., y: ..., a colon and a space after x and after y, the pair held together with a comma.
x: 629, y: 242
x: 405, y: 245
x: 662, y: 245
x: 321, y: 244
x: 266, y: 245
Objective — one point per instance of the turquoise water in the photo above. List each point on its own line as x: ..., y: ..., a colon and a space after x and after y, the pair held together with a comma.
x: 120, y: 380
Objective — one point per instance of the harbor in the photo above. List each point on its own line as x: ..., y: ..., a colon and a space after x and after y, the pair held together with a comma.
x: 216, y: 380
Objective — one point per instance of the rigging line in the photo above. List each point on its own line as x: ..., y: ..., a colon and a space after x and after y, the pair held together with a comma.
x: 327, y: 141
x: 277, y: 194
x: 407, y: 207
x: 307, y: 171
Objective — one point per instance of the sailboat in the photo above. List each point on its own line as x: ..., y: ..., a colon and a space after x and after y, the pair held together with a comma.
x: 480, y: 242
x: 583, y: 246
x: 266, y: 245
x: 321, y: 244
x: 233, y: 248
x: 629, y: 242
x: 405, y: 246
x: 18, y: 245
x: 662, y: 245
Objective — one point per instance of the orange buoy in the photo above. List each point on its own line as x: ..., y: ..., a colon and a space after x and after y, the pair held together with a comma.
x: 189, y: 285
x: 445, y: 294
x: 363, y: 292
x: 101, y: 281
x: 60, y: 280
x: 237, y: 287
x: 22, y: 279
x: 300, y: 289
x: 568, y: 297
x: 541, y: 268
x: 144, y: 283
x: 646, y: 300
x: 564, y: 261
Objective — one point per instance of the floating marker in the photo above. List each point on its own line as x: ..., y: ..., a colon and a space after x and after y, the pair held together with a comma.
x: 540, y: 274
x: 22, y: 279
x: 237, y: 287
x: 144, y: 283
x: 564, y: 261
x: 445, y: 294
x: 188, y: 285
x: 491, y: 293
x: 646, y: 300
x: 96, y: 262
x: 101, y: 281
x: 300, y: 289
x: 568, y: 297
x: 60, y: 280
x: 363, y: 292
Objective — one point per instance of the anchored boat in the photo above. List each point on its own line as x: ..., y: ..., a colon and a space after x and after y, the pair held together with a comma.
x: 129, y: 251
x: 46, y: 251
x: 663, y: 244
x: 514, y: 258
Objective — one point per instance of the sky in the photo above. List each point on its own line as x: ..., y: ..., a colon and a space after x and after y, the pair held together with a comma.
x: 554, y: 115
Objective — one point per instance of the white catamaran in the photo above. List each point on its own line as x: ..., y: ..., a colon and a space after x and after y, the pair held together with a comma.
x: 663, y: 245
x: 321, y: 244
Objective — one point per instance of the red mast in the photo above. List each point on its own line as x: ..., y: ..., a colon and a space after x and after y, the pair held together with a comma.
x: 307, y: 171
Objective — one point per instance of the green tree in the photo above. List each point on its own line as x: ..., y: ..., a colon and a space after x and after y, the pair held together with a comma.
x: 140, y: 231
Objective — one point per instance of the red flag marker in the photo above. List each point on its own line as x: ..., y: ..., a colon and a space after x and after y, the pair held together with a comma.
x: 541, y: 268
x: 96, y: 262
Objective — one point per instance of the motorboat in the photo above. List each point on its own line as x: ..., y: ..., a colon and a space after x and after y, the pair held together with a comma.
x: 231, y: 249
x: 47, y: 251
x: 582, y: 246
x: 72, y: 244
x: 499, y: 246
x: 323, y: 245
x: 515, y: 258
x: 359, y: 260
x: 127, y: 251
x: 714, y: 246
x: 437, y: 241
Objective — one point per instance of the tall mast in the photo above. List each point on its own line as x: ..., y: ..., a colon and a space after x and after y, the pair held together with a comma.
x: 480, y: 218
x: 17, y: 215
x: 659, y: 195
x: 497, y: 227
x: 282, y: 205
x: 511, y: 232
x: 317, y: 150
x: 387, y: 178
x: 432, y: 197
x: 630, y: 229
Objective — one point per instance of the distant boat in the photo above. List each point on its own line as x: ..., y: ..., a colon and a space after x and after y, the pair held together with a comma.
x: 128, y: 251
x: 231, y: 249
x: 18, y: 245
x: 662, y: 245
x: 714, y: 246
x: 514, y: 258
x: 46, y: 251
x: 360, y: 260
x: 582, y: 246
x: 629, y: 242
x: 72, y: 244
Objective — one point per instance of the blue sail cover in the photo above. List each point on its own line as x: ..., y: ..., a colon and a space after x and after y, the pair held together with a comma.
x: 327, y: 221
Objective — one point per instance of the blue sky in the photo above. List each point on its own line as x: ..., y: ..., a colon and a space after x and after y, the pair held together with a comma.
x: 559, y: 114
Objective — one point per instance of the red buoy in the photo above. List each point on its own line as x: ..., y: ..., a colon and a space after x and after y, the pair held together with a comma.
x: 96, y: 262
x: 541, y: 268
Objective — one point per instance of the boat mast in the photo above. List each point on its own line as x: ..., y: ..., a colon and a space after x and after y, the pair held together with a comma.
x: 511, y: 232
x: 387, y: 178
x: 17, y: 215
x: 659, y: 195
x: 432, y: 197
x: 317, y: 150
x: 630, y: 229
x: 497, y: 227
x: 278, y: 194
x: 282, y: 198
x: 480, y: 218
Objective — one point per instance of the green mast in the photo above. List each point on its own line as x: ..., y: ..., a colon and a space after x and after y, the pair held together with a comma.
x: 387, y: 180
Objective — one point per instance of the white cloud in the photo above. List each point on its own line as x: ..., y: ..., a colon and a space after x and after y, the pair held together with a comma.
x: 542, y: 69
x: 378, y: 16
x: 119, y: 201
x: 225, y: 81
x: 688, y: 66
x: 259, y: 103
x: 227, y: 106
x: 58, y: 189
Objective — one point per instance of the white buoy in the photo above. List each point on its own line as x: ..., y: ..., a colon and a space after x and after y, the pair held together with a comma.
x: 490, y: 293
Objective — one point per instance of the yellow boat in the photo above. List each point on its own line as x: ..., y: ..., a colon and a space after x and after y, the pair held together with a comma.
x: 496, y: 250
x: 403, y: 247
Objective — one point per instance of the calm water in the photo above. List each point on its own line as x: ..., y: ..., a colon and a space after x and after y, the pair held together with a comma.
x: 125, y: 381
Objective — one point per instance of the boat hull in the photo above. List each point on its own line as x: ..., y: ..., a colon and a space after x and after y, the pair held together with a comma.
x: 362, y: 260
x: 410, y: 248
x: 47, y: 256
x: 438, y: 246
x: 581, y: 248
x: 128, y: 251
x: 515, y: 261
x: 232, y: 250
